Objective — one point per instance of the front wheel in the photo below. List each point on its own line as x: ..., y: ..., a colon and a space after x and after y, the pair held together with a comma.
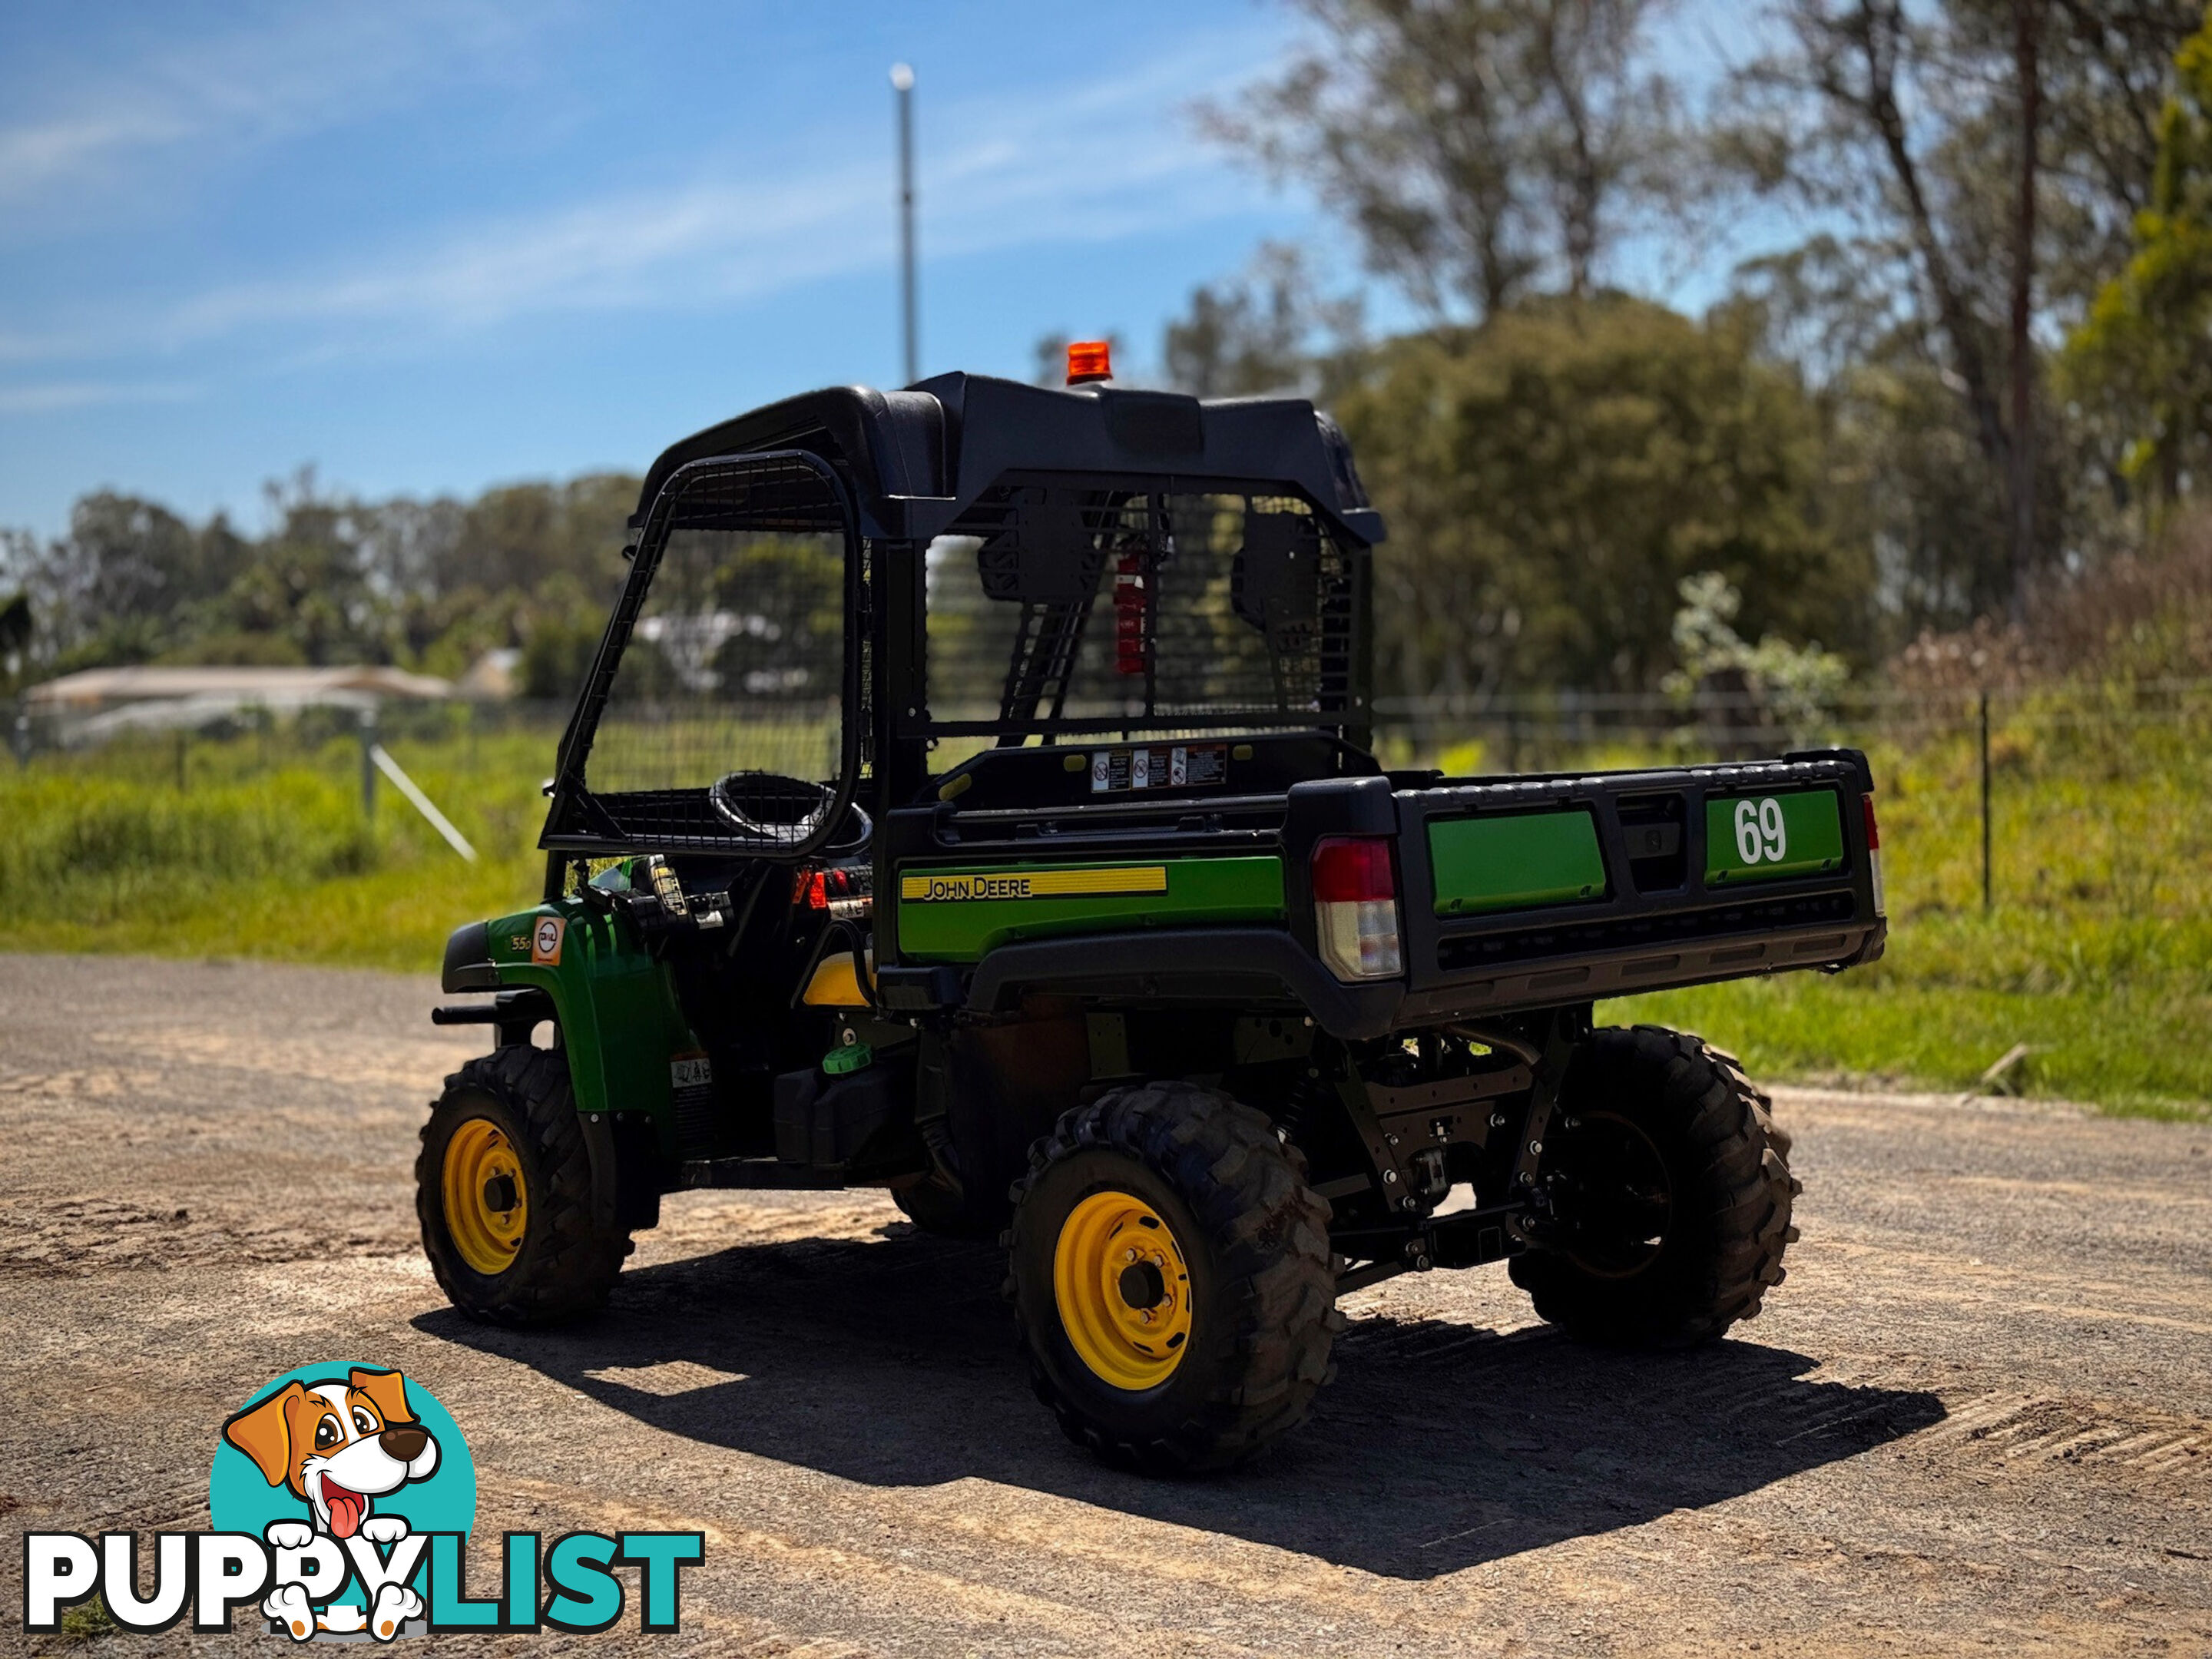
x: 1172, y: 1277
x: 1671, y: 1192
x: 512, y: 1219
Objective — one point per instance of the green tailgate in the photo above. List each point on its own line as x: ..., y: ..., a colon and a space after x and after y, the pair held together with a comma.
x: 1515, y: 861
x: 956, y: 913
x: 1759, y: 837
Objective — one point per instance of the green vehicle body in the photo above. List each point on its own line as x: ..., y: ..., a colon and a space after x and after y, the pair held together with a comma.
x: 618, y: 1008
x: 1515, y: 861
x: 949, y: 912
x: 622, y: 1021
x: 1118, y: 889
x: 615, y: 1005
x: 1752, y: 838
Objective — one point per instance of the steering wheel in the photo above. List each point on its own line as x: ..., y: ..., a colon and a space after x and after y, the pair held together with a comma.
x: 781, y: 811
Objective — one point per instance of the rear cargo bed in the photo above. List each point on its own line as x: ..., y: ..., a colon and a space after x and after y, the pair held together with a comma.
x: 1512, y: 893
x: 1528, y: 892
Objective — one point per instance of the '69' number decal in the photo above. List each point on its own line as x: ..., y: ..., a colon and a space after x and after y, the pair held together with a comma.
x: 1761, y: 836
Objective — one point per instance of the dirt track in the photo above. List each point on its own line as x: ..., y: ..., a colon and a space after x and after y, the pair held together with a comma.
x: 1978, y: 1417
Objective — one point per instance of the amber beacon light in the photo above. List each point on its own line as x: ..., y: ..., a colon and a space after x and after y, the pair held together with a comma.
x: 1088, y: 361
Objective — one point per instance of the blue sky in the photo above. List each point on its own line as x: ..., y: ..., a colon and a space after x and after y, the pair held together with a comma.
x: 429, y: 244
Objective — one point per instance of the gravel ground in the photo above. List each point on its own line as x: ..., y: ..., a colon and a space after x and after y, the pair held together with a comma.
x: 1978, y: 1417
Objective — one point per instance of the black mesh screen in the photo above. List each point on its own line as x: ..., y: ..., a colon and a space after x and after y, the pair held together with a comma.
x: 733, y: 662
x: 1060, y: 603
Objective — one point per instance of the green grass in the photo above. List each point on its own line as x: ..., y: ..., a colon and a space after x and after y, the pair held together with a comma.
x: 88, y: 1620
x: 2138, y: 1056
x: 2098, y: 953
x: 108, y: 853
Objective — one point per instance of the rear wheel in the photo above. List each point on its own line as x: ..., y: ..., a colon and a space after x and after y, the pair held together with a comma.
x: 504, y: 1189
x: 1172, y: 1277
x: 1671, y: 1188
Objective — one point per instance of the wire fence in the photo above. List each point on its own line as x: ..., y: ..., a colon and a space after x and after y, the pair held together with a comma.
x: 1542, y: 731
x: 1989, y: 797
x: 2047, y: 797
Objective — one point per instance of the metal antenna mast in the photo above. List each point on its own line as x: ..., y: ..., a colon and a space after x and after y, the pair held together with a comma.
x: 903, y: 86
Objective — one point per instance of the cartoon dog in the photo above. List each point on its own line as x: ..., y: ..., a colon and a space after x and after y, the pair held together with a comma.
x: 338, y: 1446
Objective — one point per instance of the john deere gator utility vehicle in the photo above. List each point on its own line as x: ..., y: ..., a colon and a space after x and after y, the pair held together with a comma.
x: 973, y: 797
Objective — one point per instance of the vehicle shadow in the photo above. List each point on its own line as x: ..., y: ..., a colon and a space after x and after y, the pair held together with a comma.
x: 892, y: 1361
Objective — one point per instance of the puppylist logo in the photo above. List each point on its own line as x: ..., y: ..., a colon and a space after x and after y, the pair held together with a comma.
x: 342, y: 1497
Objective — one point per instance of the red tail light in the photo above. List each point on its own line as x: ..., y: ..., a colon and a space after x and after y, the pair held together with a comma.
x: 1874, y: 832
x: 1355, y: 908
x: 1347, y: 872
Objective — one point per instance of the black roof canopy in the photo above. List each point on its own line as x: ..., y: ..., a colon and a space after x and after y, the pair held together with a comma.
x: 915, y: 458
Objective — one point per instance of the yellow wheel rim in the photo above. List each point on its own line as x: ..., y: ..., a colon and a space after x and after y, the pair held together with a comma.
x: 1123, y: 1288
x: 486, y: 1206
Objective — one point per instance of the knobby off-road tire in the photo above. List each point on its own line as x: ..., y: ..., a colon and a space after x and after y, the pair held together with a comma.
x: 1728, y: 1192
x: 1258, y: 1308
x: 568, y: 1250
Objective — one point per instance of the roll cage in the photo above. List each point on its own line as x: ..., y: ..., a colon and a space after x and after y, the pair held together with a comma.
x: 1227, y: 541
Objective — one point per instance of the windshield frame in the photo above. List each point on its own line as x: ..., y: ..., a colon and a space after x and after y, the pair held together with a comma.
x: 581, y: 821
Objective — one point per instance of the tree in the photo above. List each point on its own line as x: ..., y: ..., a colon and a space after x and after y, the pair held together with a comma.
x: 2106, y: 65
x: 515, y: 535
x: 1269, y: 330
x: 307, y: 582
x: 1481, y: 149
x: 1982, y: 152
x: 334, y: 580
x: 1861, y: 66
x: 1551, y: 477
x: 2144, y: 351
x: 2027, y: 17
x: 1768, y: 691
x: 561, y: 630
x: 121, y: 583
x: 14, y: 637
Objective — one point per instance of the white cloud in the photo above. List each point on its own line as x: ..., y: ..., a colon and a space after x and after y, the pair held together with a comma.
x: 47, y: 343
x: 55, y: 396
x: 83, y: 136
x: 1092, y: 162
x: 1110, y: 159
x: 34, y: 156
